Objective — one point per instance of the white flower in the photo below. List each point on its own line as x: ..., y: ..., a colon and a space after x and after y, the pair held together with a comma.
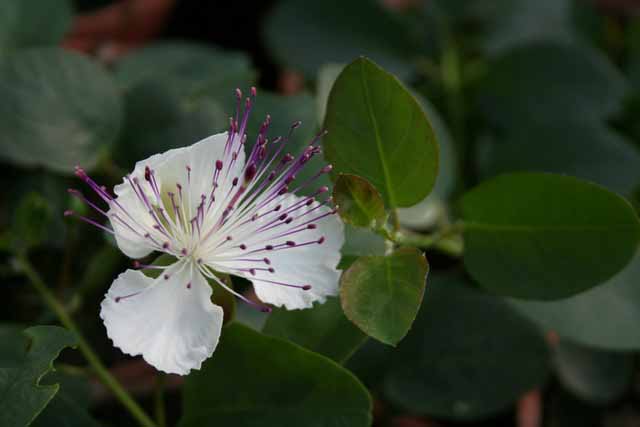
x: 214, y: 211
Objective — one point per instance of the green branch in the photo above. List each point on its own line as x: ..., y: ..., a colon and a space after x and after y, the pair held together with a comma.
x: 23, y: 265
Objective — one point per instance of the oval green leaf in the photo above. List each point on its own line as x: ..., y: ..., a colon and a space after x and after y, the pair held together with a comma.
x: 323, y: 329
x: 254, y: 380
x: 469, y: 355
x: 597, y: 376
x: 58, y: 110
x: 545, y: 236
x: 358, y: 202
x: 189, y: 70
x: 599, y: 317
x: 30, y: 24
x: 306, y: 35
x: 377, y: 130
x: 382, y: 294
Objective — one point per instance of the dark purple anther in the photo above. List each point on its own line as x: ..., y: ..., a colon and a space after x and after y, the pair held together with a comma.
x: 147, y: 173
x: 235, y: 181
x: 189, y: 285
x: 243, y: 246
x: 266, y: 261
x: 321, y: 240
x: 283, y: 190
x: 250, y: 173
x: 312, y: 226
x: 306, y: 287
x: 269, y: 247
x: 290, y: 243
x: 229, y: 238
x: 282, y: 217
x: 271, y: 270
x: 252, y: 271
x: 219, y: 164
x: 289, y: 220
x: 165, y: 245
x: 166, y: 277
x: 277, y: 208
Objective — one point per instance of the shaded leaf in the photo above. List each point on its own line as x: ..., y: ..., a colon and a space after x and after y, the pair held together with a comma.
x: 305, y: 35
x: 254, y: 380
x: 322, y: 329
x: 599, y: 317
x: 468, y: 356
x: 382, y: 294
x: 545, y: 236
x: 59, y: 110
x: 189, y: 70
x: 547, y: 82
x: 23, y: 395
x: 29, y: 24
x: 596, y: 376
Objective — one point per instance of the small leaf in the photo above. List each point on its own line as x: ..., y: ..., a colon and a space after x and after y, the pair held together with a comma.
x: 597, y: 376
x: 599, y: 317
x: 305, y: 35
x: 58, y: 110
x: 323, y: 329
x: 382, y: 294
x: 378, y: 131
x: 30, y: 24
x: 254, y: 380
x: 23, y: 396
x: 545, y: 236
x: 468, y: 356
x: 358, y: 202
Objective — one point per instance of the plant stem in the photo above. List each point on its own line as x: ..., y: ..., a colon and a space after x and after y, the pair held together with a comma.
x: 23, y: 265
x: 446, y: 239
x: 161, y: 417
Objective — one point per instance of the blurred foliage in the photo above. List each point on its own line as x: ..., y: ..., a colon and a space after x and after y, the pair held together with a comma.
x: 464, y: 115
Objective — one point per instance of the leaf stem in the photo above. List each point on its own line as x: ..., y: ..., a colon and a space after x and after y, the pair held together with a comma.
x: 23, y: 265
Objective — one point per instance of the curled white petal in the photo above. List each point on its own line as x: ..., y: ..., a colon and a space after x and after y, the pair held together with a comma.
x: 170, y: 320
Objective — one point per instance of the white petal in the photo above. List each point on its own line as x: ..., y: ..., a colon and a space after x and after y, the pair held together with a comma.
x: 171, y: 322
x: 313, y: 264
x: 170, y: 169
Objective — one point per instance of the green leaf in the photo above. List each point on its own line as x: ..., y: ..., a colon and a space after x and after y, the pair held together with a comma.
x: 597, y: 376
x: 382, y: 294
x: 560, y: 81
x: 378, y: 131
x: 69, y: 407
x: 157, y: 120
x: 29, y: 24
x: 189, y: 70
x: 323, y: 329
x: 23, y: 396
x: 59, y: 110
x: 545, y: 236
x: 599, y: 317
x: 427, y: 212
x: 254, y: 380
x: 517, y: 22
x: 585, y: 149
x: 358, y: 202
x: 469, y: 355
x: 305, y: 35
